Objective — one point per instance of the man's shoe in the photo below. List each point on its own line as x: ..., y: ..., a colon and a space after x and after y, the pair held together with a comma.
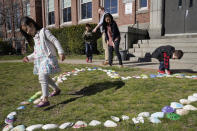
x: 105, y: 63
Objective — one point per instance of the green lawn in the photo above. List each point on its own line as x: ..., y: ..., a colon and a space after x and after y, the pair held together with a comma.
x: 98, y: 97
x: 19, y: 57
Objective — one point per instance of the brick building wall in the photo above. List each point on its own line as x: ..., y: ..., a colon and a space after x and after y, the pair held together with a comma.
x: 142, y: 16
x: 13, y: 35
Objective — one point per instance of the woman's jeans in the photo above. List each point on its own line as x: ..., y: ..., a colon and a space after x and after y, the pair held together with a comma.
x: 116, y: 48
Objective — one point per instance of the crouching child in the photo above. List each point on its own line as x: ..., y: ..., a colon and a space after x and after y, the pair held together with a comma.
x: 164, y: 54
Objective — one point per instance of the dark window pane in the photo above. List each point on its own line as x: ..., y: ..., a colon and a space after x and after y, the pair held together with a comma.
x: 111, y: 6
x: 65, y: 15
x: 180, y: 3
x: 69, y: 14
x: 51, y: 18
x: 89, y: 10
x: 86, y: 10
x: 83, y: 11
x: 107, y: 5
x: 143, y: 3
x: 191, y: 3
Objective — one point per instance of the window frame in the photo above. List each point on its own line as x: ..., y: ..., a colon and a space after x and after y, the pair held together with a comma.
x: 80, y: 16
x: 47, y: 14
x: 142, y: 8
x: 115, y: 14
x: 25, y: 11
x: 62, y: 13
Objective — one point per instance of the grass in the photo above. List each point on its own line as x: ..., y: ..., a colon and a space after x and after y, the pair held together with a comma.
x: 19, y: 57
x: 96, y: 97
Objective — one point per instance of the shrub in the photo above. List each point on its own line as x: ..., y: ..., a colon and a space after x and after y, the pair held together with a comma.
x: 71, y: 38
x: 5, y: 48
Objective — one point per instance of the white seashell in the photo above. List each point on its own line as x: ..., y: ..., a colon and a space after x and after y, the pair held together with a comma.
x: 49, y: 126
x: 135, y: 120
x: 18, y: 128
x: 176, y: 105
x: 11, y: 114
x: 182, y: 112
x: 192, y: 98
x: 115, y: 118
x: 154, y: 120
x: 66, y: 125
x: 110, y: 123
x: 195, y: 94
x: 158, y: 115
x: 80, y: 124
x: 184, y: 101
x: 34, y: 127
x: 94, y: 123
x: 190, y: 107
x: 124, y: 117
x: 7, y: 127
x: 140, y: 119
x: 144, y: 114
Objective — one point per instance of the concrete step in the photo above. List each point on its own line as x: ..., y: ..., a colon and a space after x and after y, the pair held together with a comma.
x: 151, y: 49
x: 175, y: 40
x: 176, y: 45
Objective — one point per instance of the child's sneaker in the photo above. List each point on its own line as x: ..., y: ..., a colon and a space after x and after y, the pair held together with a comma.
x: 161, y: 72
x: 42, y: 104
x: 87, y: 60
x: 168, y: 72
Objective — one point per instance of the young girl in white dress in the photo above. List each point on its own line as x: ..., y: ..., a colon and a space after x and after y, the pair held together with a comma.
x: 44, y: 56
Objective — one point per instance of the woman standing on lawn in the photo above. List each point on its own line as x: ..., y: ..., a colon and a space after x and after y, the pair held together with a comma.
x: 44, y: 56
x: 112, y: 37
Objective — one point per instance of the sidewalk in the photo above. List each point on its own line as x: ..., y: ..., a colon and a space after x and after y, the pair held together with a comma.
x: 174, y: 65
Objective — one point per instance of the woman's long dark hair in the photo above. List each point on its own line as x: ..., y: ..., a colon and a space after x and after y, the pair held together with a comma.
x: 27, y: 21
x: 104, y: 22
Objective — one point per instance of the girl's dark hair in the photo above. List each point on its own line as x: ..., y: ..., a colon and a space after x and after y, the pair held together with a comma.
x: 27, y: 21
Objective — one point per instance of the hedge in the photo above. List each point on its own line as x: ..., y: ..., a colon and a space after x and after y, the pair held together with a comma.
x: 5, y: 48
x: 72, y: 41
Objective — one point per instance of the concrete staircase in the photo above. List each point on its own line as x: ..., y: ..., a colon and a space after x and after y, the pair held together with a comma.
x: 143, y: 48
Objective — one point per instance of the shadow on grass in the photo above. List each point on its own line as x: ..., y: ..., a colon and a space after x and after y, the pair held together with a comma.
x: 90, y: 90
x: 183, y: 71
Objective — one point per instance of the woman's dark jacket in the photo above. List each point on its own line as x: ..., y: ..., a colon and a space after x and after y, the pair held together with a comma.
x: 114, y: 29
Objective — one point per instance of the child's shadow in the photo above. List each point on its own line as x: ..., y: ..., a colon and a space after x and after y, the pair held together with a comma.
x: 90, y: 90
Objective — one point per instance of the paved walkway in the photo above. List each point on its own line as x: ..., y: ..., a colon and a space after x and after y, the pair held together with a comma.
x: 177, y: 66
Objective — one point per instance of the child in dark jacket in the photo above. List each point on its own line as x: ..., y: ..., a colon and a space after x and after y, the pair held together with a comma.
x: 112, y: 37
x: 88, y: 37
x: 163, y: 54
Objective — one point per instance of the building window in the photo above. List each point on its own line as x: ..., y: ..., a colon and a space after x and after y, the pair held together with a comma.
x: 111, y: 6
x: 143, y: 4
x: 26, y: 10
x: 51, y: 13
x: 66, y: 10
x: 86, y: 9
x: 17, y: 19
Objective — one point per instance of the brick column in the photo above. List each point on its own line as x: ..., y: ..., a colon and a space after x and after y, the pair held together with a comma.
x: 57, y: 13
x: 74, y: 11
x: 95, y: 15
